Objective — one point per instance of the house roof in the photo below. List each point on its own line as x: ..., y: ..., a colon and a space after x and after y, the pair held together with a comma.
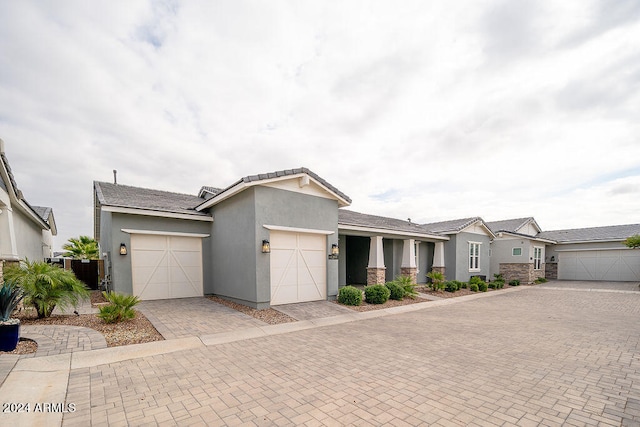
x: 46, y: 213
x: 593, y: 234
x: 15, y: 195
x: 451, y: 226
x: 252, y: 179
x: 512, y: 225
x: 206, y: 190
x: 125, y: 196
x: 348, y: 218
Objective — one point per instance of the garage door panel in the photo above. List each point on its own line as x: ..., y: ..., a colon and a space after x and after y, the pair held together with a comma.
x: 298, y: 267
x: 166, y: 266
x: 609, y: 265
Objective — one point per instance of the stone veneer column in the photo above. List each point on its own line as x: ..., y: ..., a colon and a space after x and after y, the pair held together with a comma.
x: 408, y: 266
x: 376, y: 270
x: 438, y: 258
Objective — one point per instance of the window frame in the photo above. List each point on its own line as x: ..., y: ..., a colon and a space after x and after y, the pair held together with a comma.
x: 474, y: 266
x: 513, y: 251
x: 537, y: 258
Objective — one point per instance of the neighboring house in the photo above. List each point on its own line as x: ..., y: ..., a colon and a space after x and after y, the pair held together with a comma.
x: 517, y: 251
x: 596, y: 253
x: 376, y: 249
x: 25, y: 231
x: 467, y: 252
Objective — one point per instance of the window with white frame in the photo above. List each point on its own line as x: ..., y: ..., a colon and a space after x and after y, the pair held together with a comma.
x: 537, y: 258
x: 474, y: 256
x: 516, y: 252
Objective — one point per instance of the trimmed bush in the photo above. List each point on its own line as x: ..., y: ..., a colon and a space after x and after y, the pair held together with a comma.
x: 515, y: 282
x: 473, y: 287
x: 482, y: 286
x: 492, y: 285
x: 350, y: 295
x: 464, y: 285
x: 376, y: 294
x: 397, y: 291
x: 450, y: 286
x: 540, y: 280
x: 499, y: 284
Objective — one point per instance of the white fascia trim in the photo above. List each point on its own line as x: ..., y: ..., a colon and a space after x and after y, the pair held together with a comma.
x: 243, y: 185
x: 163, y: 233
x: 161, y: 214
x: 382, y: 231
x: 297, y: 230
x: 591, y: 241
x: 624, y: 248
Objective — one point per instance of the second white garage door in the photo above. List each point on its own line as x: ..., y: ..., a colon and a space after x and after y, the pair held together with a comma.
x: 611, y: 265
x: 166, y: 266
x: 298, y: 267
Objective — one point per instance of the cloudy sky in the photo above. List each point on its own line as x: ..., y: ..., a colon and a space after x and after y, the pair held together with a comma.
x: 431, y: 110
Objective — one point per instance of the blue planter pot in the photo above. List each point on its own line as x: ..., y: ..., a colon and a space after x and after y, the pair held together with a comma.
x: 9, y: 336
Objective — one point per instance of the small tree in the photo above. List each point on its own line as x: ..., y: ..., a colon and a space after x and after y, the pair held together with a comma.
x: 46, y: 286
x: 83, y: 247
x: 633, y: 241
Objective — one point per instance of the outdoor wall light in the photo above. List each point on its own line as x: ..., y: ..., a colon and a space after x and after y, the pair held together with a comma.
x: 266, y: 247
x: 123, y: 249
x: 335, y: 250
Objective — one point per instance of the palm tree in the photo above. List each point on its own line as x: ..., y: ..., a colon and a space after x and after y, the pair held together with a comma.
x: 46, y: 286
x: 82, y: 248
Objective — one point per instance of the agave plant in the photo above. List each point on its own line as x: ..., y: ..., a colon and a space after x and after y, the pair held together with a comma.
x: 10, y: 297
x: 120, y: 307
x: 46, y: 286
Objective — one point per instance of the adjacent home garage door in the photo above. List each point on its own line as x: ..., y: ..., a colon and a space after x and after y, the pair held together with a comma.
x: 166, y: 266
x: 298, y: 267
x: 613, y: 265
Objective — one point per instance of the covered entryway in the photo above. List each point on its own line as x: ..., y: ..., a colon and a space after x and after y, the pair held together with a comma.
x: 166, y: 266
x: 298, y: 267
x: 608, y: 265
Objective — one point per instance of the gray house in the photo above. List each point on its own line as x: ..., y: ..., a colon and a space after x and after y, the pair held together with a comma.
x: 264, y: 240
x: 595, y: 253
x: 467, y: 252
x: 518, y: 251
x: 25, y: 231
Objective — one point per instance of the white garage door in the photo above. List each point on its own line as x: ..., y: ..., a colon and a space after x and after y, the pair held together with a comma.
x: 298, y: 267
x: 166, y: 266
x: 613, y: 265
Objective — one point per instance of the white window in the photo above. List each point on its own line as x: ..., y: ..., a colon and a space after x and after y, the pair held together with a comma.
x: 474, y: 256
x: 516, y: 252
x: 537, y: 258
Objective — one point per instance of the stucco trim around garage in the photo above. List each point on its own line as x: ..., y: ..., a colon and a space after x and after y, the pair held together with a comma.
x: 297, y: 229
x: 146, y: 212
x: 163, y: 233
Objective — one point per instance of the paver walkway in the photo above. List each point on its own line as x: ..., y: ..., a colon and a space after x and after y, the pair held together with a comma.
x: 527, y: 356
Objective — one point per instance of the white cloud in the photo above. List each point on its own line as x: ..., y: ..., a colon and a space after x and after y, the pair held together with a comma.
x: 428, y: 110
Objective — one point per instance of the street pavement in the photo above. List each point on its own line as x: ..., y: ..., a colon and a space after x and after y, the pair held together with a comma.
x: 529, y: 356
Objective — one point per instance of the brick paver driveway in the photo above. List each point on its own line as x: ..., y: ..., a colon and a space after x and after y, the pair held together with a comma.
x: 532, y: 357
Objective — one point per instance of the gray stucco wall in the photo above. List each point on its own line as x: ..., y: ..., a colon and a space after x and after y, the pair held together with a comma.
x: 242, y: 271
x: 425, y: 261
x: 450, y: 254
x: 392, y: 257
x: 457, y: 256
x: 28, y: 237
x: 121, y: 264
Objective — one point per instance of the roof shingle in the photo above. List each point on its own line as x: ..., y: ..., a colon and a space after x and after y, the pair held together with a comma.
x: 611, y: 232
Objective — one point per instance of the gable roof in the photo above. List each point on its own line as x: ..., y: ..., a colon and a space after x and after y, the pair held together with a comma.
x: 593, y: 234
x: 358, y: 221
x: 251, y: 180
x: 455, y: 226
x: 46, y: 213
x: 125, y: 196
x: 16, y: 197
x: 512, y: 225
x: 207, y: 192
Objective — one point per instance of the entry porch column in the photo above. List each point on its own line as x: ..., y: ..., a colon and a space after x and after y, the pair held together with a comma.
x: 438, y: 258
x: 409, y: 267
x: 376, y: 269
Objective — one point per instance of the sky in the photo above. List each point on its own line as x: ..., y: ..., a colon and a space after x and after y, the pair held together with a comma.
x: 429, y: 110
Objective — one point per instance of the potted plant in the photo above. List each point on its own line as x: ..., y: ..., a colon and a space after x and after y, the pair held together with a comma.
x: 10, y: 297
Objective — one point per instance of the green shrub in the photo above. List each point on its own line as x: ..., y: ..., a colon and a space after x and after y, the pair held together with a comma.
x: 498, y: 277
x: 540, y: 280
x: 475, y: 280
x: 350, y: 295
x: 397, y: 291
x: 499, y: 284
x: 464, y: 285
x: 514, y: 282
x: 46, y: 286
x: 376, y: 294
x: 10, y: 297
x: 450, y: 286
x: 460, y: 285
x: 482, y: 286
x: 473, y: 287
x: 492, y: 285
x: 437, y: 279
x: 120, y: 307
x: 407, y: 285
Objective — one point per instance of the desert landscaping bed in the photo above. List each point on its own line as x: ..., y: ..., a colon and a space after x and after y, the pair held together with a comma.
x: 269, y: 315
